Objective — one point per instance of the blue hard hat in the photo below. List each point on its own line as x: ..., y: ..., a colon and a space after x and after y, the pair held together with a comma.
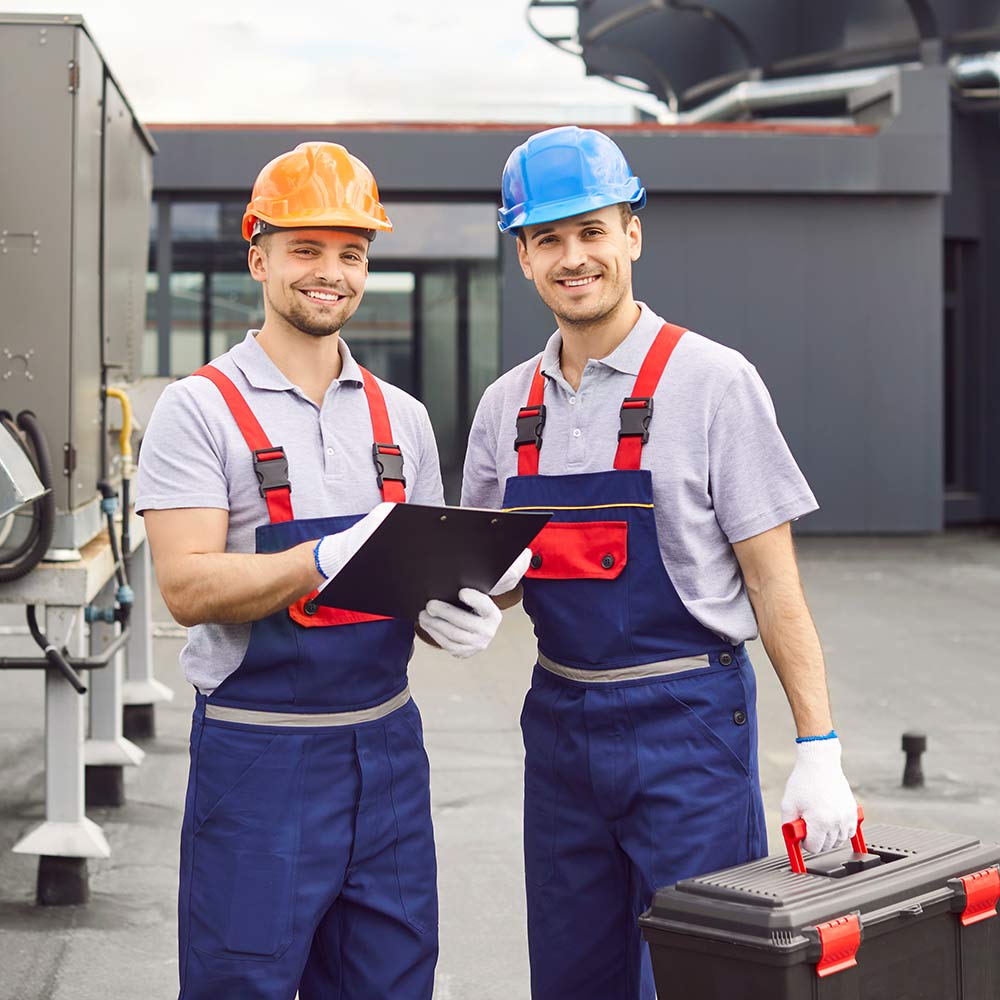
x: 562, y: 172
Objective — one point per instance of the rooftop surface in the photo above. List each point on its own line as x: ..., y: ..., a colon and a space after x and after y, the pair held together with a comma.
x: 911, y: 633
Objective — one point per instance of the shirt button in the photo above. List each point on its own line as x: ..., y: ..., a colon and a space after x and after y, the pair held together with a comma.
x: 576, y: 432
x: 572, y: 400
x: 329, y: 451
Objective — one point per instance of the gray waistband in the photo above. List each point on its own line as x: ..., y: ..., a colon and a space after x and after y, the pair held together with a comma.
x: 310, y: 720
x: 661, y: 668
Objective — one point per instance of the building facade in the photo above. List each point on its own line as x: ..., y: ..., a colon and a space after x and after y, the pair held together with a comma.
x: 835, y: 254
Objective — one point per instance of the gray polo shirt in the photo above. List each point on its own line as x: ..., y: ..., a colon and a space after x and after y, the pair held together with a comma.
x: 722, y: 471
x: 193, y: 455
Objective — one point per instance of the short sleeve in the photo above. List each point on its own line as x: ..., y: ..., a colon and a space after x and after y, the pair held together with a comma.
x: 179, y: 460
x: 754, y: 480
x: 426, y: 487
x: 480, y: 482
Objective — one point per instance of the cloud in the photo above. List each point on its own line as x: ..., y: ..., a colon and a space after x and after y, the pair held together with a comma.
x: 339, y: 61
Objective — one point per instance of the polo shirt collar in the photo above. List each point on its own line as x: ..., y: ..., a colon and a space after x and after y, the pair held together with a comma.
x: 262, y: 373
x: 627, y: 357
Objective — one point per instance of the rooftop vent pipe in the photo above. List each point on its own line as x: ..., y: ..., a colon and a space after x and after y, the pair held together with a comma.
x: 760, y: 95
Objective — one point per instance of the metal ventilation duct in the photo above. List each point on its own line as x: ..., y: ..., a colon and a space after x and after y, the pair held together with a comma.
x: 685, y: 52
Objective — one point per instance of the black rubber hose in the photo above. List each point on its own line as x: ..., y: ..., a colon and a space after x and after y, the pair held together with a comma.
x: 126, y: 520
x: 44, y: 508
x: 107, y: 492
x: 52, y: 654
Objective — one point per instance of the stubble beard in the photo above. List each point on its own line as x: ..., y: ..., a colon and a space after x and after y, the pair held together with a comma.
x: 297, y: 318
x: 587, y: 318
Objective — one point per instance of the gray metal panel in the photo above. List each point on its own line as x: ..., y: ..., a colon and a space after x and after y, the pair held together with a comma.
x: 907, y: 154
x: 44, y: 21
x: 36, y: 165
x: 837, y: 302
x: 84, y: 374
x: 128, y: 184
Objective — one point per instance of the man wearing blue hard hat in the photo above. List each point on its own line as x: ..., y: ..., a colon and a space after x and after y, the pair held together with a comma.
x: 670, y: 547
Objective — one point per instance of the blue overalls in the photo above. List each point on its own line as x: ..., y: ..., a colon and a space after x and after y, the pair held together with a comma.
x: 307, y: 853
x: 639, y: 728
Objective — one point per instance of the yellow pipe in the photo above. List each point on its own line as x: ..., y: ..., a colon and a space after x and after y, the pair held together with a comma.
x: 125, y: 436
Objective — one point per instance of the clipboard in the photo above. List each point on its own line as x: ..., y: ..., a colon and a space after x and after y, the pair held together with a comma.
x: 418, y: 553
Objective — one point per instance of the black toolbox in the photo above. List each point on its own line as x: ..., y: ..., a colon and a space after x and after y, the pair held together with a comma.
x: 911, y: 915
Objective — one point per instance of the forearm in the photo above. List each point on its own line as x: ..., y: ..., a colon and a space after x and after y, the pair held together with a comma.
x: 508, y: 600
x: 789, y: 636
x: 232, y: 588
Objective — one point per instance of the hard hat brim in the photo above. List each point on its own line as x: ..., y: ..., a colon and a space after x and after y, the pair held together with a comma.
x: 338, y: 219
x: 518, y: 217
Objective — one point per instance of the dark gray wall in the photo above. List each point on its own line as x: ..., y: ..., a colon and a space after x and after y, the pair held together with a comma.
x: 841, y: 316
x: 837, y: 301
x: 972, y: 216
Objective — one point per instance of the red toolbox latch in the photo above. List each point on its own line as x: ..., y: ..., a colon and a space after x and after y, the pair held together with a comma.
x: 982, y: 891
x: 839, y: 941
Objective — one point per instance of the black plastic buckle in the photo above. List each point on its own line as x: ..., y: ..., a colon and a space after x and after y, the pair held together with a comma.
x: 388, y: 462
x: 530, y: 421
x: 271, y: 469
x: 635, y: 418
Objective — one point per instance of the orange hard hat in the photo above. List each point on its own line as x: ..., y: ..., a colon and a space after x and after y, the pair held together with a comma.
x: 315, y: 185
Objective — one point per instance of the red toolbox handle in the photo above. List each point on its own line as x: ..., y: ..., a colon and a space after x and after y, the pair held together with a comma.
x: 795, y: 832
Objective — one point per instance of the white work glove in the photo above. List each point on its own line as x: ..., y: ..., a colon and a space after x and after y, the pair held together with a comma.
x: 512, y: 577
x: 458, y: 630
x: 332, y: 552
x: 818, y: 792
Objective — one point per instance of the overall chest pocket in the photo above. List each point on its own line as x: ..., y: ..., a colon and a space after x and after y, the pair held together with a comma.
x: 580, y: 550
x: 576, y: 593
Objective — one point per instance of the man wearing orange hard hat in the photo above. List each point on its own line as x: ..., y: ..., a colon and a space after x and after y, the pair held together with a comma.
x: 307, y: 853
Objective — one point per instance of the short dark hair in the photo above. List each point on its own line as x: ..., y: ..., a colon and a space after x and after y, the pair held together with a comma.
x: 623, y: 206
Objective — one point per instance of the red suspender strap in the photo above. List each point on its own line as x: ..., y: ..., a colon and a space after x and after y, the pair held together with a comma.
x: 530, y: 421
x: 637, y: 410
x: 269, y: 462
x: 387, y: 455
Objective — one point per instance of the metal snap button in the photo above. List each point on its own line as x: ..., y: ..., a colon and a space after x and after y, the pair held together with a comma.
x: 310, y: 608
x: 725, y: 659
x: 536, y: 561
x: 608, y: 561
x: 739, y: 717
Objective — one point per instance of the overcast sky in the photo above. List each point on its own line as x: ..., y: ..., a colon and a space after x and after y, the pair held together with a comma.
x: 342, y: 60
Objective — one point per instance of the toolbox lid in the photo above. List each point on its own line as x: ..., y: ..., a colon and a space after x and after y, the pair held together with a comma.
x: 765, y: 904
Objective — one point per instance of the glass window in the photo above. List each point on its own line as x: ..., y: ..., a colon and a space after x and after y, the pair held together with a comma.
x: 380, y: 333
x: 439, y: 318
x: 195, y: 220
x: 439, y: 231
x: 150, y: 336
x: 235, y: 305
x: 484, y: 330
x: 187, y: 333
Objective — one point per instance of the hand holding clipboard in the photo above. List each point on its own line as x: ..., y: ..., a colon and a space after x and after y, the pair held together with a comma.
x: 422, y: 553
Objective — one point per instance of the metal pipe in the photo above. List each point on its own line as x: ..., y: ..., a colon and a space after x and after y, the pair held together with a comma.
x: 67, y: 665
x: 977, y: 75
x: 754, y: 95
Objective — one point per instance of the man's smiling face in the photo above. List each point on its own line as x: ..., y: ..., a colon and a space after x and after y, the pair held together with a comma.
x: 582, y: 265
x: 313, y: 279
